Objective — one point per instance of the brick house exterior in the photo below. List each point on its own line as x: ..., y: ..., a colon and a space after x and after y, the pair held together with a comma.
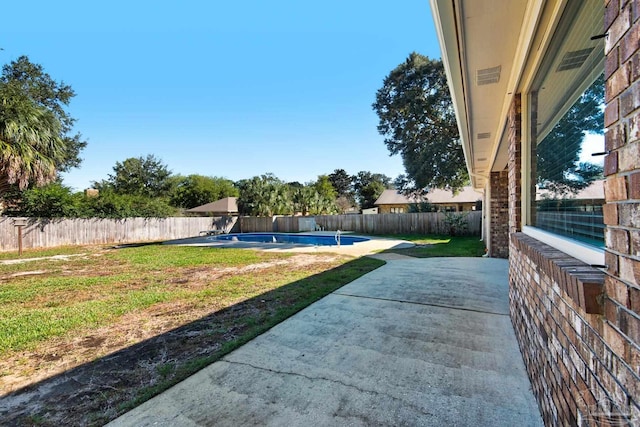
x: 575, y: 309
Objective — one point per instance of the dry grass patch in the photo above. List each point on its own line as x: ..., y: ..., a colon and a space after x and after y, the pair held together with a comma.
x: 91, y: 336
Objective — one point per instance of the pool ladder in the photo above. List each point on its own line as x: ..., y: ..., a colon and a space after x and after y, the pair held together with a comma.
x: 337, y: 237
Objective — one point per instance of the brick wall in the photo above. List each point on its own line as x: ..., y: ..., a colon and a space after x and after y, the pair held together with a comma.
x: 579, y: 376
x: 515, y: 165
x: 499, y: 215
x: 621, y: 325
x: 578, y: 327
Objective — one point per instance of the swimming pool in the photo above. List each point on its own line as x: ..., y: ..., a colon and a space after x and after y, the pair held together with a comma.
x: 298, y: 239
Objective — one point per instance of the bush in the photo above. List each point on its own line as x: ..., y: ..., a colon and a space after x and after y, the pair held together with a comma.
x: 57, y: 201
x: 457, y: 223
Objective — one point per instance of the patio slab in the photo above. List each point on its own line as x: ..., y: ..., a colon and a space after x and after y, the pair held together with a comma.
x: 415, y: 342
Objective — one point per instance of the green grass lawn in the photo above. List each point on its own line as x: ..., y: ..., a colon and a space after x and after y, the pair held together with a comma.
x: 37, y: 253
x: 440, y: 246
x: 65, y: 296
x: 111, y: 295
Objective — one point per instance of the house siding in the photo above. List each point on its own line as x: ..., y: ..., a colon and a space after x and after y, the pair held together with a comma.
x: 578, y: 327
x: 385, y: 209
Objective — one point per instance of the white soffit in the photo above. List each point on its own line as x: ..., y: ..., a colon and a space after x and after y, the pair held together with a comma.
x: 490, y: 35
x: 484, y: 46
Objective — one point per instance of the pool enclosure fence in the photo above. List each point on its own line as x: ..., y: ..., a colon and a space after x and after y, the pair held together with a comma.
x: 46, y: 233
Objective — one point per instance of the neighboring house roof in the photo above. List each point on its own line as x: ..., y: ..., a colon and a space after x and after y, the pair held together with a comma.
x: 438, y: 196
x: 593, y: 191
x: 226, y: 205
x: 466, y: 195
x: 394, y: 197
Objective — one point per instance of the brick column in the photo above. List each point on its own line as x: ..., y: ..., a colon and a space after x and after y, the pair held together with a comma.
x: 499, y: 215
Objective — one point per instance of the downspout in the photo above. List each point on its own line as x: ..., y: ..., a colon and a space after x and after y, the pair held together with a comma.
x: 484, y: 204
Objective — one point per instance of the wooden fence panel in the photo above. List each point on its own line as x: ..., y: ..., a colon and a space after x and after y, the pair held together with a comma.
x: 420, y: 223
x: 252, y: 224
x: 45, y: 233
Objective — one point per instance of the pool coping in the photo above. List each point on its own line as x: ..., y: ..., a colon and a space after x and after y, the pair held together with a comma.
x: 373, y: 245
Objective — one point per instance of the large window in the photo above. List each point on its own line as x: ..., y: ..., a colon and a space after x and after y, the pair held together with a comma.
x: 567, y: 129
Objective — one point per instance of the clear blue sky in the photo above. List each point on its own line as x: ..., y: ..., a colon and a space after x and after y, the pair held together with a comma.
x: 223, y: 88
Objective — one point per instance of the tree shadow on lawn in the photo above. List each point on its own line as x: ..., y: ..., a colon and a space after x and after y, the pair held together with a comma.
x: 96, y: 392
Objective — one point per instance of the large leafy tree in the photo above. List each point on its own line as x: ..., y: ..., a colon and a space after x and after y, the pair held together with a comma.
x: 558, y: 168
x: 369, y: 186
x: 195, y: 190
x: 417, y: 119
x: 343, y: 183
x: 264, y: 195
x: 55, y: 200
x: 141, y: 176
x: 36, y: 139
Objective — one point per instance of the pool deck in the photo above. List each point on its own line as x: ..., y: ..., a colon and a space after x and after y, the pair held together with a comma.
x: 374, y: 245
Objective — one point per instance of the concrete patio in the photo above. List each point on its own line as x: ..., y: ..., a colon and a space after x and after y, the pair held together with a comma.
x: 416, y: 342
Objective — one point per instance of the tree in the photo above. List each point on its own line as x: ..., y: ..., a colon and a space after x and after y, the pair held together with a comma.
x: 324, y: 188
x: 417, y: 119
x: 342, y: 182
x: 343, y: 204
x: 370, y: 193
x: 53, y: 200
x: 35, y: 139
x: 557, y: 167
x: 196, y: 190
x: 369, y: 186
x: 109, y: 204
x: 141, y: 176
x: 264, y: 195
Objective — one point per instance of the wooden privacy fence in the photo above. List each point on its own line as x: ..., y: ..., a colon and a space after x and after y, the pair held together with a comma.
x: 45, y: 233
x: 420, y: 223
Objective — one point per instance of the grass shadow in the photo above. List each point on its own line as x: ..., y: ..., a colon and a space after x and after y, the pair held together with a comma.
x: 99, y: 391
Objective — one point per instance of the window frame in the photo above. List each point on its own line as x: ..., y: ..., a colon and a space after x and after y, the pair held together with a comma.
x: 589, y: 254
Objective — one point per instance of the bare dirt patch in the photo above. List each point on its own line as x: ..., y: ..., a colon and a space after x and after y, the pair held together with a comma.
x: 87, y: 378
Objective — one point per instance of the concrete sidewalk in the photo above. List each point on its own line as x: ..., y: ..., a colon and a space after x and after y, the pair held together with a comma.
x: 416, y: 342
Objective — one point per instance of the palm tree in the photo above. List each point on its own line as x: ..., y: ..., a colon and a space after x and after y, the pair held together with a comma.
x: 30, y: 141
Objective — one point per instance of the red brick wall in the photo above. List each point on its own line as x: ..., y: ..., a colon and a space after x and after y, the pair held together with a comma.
x: 499, y: 215
x: 621, y: 325
x: 515, y: 165
x: 576, y: 374
x: 579, y: 327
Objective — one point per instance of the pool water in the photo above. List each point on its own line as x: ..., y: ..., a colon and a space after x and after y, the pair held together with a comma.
x: 299, y: 239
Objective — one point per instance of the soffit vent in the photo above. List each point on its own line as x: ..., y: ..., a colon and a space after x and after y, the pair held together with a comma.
x: 488, y: 75
x: 482, y: 159
x: 484, y: 135
x: 574, y: 59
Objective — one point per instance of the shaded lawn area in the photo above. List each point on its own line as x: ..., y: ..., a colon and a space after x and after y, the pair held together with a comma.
x: 440, y: 246
x: 160, y: 313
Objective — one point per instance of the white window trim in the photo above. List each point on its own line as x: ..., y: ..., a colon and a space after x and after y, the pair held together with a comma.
x: 582, y: 251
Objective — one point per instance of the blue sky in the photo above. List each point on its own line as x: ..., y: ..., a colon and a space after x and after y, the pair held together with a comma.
x: 232, y: 89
